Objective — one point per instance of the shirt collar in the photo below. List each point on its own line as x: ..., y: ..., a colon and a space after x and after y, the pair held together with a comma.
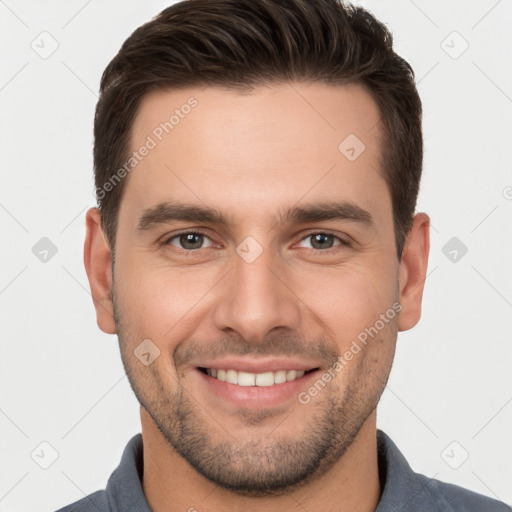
x: 401, y: 489
x: 124, y: 487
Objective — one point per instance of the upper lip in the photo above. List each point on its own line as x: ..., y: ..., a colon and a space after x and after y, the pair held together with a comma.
x: 259, y: 365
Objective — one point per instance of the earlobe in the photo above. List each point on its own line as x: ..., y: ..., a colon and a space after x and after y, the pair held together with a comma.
x: 97, y: 261
x: 413, y: 271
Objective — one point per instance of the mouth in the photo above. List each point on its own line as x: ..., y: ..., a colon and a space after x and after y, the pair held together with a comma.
x: 254, y: 383
x: 248, y: 379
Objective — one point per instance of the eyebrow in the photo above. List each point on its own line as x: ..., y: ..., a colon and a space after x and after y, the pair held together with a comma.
x: 169, y: 211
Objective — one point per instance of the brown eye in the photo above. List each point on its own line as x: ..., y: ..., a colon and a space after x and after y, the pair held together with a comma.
x: 323, y: 241
x: 188, y: 241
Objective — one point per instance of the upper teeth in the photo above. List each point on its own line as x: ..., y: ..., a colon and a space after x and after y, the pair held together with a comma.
x: 255, y: 379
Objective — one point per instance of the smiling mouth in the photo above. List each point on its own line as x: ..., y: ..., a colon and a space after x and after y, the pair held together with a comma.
x: 245, y: 379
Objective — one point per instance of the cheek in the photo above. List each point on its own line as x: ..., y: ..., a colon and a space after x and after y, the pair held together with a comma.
x: 348, y: 300
x: 165, y: 303
x: 160, y: 302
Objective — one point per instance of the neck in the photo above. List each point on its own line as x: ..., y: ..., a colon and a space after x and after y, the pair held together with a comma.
x: 171, y: 484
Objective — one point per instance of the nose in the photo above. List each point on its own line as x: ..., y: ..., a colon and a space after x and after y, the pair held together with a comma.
x: 256, y: 298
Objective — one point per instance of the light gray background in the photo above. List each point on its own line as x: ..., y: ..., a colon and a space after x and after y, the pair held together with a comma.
x: 62, y: 380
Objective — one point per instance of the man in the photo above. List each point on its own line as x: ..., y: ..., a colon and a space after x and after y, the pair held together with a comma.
x: 256, y: 251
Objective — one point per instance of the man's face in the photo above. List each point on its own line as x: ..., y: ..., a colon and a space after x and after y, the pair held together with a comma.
x: 265, y: 292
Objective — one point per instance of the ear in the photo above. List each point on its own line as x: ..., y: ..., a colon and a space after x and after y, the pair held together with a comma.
x: 413, y: 271
x: 98, y: 266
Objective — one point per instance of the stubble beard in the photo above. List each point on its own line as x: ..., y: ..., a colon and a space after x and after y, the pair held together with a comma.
x: 266, y: 463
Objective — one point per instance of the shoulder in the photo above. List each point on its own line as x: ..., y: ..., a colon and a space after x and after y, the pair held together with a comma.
x: 404, y: 489
x: 454, y: 498
x: 96, y: 501
x: 123, y: 490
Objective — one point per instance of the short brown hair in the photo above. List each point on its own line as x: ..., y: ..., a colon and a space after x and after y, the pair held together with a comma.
x: 243, y: 43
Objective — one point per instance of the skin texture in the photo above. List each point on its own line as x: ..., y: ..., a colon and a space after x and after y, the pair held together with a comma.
x: 252, y: 156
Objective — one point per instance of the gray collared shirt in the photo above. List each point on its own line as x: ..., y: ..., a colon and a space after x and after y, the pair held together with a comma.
x: 402, y: 489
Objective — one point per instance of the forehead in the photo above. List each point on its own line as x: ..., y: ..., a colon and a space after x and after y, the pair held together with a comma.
x: 254, y: 151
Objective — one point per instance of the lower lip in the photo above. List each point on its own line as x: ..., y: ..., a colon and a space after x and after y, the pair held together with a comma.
x: 257, y: 396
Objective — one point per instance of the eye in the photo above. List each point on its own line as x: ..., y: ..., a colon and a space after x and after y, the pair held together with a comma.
x: 324, y: 241
x: 189, y: 240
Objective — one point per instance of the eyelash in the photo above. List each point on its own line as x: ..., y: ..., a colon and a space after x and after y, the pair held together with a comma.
x: 344, y: 243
